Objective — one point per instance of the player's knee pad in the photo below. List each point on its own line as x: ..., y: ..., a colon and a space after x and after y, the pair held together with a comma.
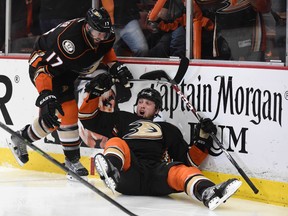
x: 38, y: 130
x: 118, y: 147
x: 70, y: 109
x: 69, y: 136
x: 68, y: 131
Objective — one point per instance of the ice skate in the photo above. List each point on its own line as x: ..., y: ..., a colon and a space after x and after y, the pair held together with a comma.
x: 107, y: 172
x: 213, y: 196
x: 76, y: 167
x: 18, y: 147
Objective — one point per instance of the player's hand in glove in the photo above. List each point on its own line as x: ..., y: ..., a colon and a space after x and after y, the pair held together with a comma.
x: 207, y: 125
x: 98, y: 85
x: 48, y: 104
x: 121, y: 74
x: 201, y: 134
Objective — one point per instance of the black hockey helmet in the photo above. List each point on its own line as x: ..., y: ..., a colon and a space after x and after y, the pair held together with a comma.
x: 99, y: 19
x: 151, y: 94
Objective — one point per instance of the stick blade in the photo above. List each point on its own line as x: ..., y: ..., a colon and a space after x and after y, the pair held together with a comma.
x: 155, y: 75
x: 161, y: 74
x: 183, y: 66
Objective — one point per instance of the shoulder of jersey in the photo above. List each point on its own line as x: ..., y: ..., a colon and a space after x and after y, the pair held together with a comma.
x: 71, y: 40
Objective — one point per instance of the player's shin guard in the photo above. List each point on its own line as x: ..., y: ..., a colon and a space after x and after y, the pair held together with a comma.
x: 179, y: 174
x: 118, y: 153
x: 69, y: 138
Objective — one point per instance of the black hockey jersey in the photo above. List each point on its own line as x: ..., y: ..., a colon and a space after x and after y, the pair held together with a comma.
x: 146, y: 139
x: 66, y: 49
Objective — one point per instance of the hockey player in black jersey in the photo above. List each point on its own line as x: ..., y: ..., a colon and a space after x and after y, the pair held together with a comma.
x: 73, y: 49
x: 132, y: 162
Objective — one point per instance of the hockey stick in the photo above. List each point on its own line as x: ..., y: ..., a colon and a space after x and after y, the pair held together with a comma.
x: 153, y: 75
x: 158, y: 74
x: 61, y: 166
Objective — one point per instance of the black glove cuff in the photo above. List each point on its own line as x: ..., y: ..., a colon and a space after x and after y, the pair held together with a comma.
x: 44, y: 97
x: 203, y: 144
x: 116, y: 68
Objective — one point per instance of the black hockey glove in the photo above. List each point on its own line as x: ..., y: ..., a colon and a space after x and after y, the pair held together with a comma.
x: 98, y: 85
x: 201, y: 134
x: 48, y: 104
x: 121, y: 74
x: 208, y: 126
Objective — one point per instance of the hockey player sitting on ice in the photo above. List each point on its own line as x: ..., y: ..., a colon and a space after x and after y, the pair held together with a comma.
x: 133, y: 163
x: 73, y: 49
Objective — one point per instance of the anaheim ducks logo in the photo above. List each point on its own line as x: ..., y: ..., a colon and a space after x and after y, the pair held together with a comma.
x: 144, y: 130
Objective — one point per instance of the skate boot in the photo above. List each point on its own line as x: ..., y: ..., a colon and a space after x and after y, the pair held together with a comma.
x: 18, y: 147
x: 213, y: 196
x: 76, y: 167
x: 107, y: 172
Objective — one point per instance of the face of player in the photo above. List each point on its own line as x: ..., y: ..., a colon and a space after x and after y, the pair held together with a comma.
x: 96, y: 35
x: 146, y: 108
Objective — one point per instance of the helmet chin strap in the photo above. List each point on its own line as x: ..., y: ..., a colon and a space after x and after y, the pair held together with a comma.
x: 157, y: 114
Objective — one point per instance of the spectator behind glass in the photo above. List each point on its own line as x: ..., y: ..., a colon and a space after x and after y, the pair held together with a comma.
x: 18, y: 20
x: 279, y: 14
x: 239, y: 32
x: 125, y: 16
x: 2, y: 25
x: 53, y: 12
x: 167, y: 21
x: 169, y: 16
x: 23, y: 24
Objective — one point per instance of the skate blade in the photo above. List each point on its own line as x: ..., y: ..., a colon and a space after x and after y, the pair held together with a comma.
x: 213, y: 204
x: 12, y: 148
x: 71, y: 178
x: 108, y: 181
